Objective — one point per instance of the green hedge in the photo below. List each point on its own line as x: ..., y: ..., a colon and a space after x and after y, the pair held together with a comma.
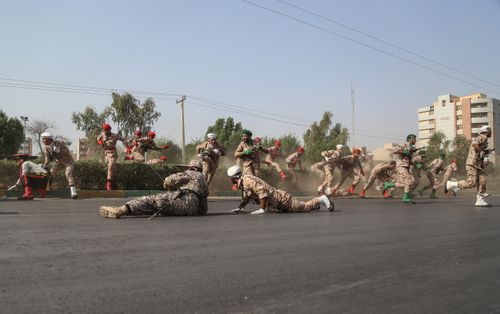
x: 91, y: 175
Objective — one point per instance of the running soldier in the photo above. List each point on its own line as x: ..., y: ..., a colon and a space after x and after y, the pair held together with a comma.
x: 245, y: 153
x: 350, y: 168
x: 270, y: 198
x: 382, y: 172
x: 474, y: 166
x: 31, y: 177
x: 404, y: 179
x: 257, y: 150
x: 142, y: 145
x: 108, y: 141
x: 448, y: 171
x: 432, y: 172
x: 186, y: 195
x: 295, y: 159
x: 57, y: 151
x: 325, y: 169
x: 209, y: 153
x: 273, y: 153
x: 417, y: 165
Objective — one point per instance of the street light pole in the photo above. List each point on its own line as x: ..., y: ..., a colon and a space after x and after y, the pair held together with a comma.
x: 25, y: 119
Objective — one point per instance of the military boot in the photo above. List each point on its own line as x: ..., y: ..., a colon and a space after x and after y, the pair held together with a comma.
x: 113, y: 212
x: 351, y: 189
x: 407, y: 198
x: 433, y: 194
x: 362, y: 194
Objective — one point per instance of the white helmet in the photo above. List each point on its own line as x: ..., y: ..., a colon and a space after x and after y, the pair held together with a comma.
x: 339, y: 146
x: 46, y: 135
x: 211, y: 136
x: 234, y: 171
x: 484, y: 129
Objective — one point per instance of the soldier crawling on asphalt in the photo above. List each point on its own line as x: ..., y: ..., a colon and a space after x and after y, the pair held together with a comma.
x: 269, y: 198
x: 186, y: 195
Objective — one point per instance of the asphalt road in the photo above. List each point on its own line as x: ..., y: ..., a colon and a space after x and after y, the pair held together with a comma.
x: 370, y: 256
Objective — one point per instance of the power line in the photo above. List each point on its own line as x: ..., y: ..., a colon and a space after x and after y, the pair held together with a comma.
x: 387, y: 43
x: 370, y: 46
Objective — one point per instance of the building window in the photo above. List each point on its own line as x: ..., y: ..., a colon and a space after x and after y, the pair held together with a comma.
x: 459, y: 117
x: 459, y: 127
x: 443, y: 103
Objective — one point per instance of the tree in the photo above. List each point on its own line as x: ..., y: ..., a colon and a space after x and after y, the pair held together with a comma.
x: 321, y: 136
x: 228, y: 133
x: 128, y: 114
x: 289, y: 143
x: 89, y: 121
x: 437, y: 142
x: 11, y: 134
x: 36, y: 128
x: 460, y: 150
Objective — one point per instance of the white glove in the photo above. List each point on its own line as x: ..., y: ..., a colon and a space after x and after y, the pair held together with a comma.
x: 258, y: 211
x: 237, y: 210
x: 216, y: 151
x: 327, y: 159
x: 57, y: 149
x: 12, y: 188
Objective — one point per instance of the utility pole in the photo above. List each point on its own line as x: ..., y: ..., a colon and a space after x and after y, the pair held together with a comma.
x: 183, y: 131
x: 353, y: 123
x: 24, y: 133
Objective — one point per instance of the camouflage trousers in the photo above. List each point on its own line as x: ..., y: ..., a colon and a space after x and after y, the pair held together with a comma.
x: 324, y: 170
x: 288, y: 203
x: 433, y: 180
x: 353, y: 173
x: 173, y: 203
x: 382, y: 177
x: 446, y: 177
x: 137, y: 156
x: 209, y: 168
x: 404, y: 180
x: 68, y: 170
x: 475, y: 177
x: 273, y: 164
x: 110, y: 161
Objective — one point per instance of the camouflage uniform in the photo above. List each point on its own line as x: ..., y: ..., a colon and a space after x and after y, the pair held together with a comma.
x: 140, y: 147
x: 58, y: 151
x: 293, y: 160
x: 186, y: 195
x: 109, y: 143
x: 433, y: 170
x: 417, y: 171
x: 382, y: 172
x: 246, y: 161
x: 209, y: 154
x: 474, y: 166
x: 350, y: 168
x: 255, y: 188
x: 448, y: 171
x: 326, y: 168
x: 273, y: 153
x: 402, y: 174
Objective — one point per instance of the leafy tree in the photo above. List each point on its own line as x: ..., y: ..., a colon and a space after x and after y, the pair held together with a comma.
x: 228, y: 132
x: 460, y: 150
x: 89, y: 121
x: 11, y: 134
x: 321, y: 136
x: 437, y: 142
x: 128, y: 113
x: 36, y: 128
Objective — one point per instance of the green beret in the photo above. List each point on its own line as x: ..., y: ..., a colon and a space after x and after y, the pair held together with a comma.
x: 247, y: 132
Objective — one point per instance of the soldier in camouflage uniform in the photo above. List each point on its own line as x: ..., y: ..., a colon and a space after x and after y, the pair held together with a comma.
x: 270, y: 198
x: 350, y: 168
x: 474, y: 166
x: 382, y: 172
x: 142, y: 145
x: 325, y: 168
x: 186, y: 195
x: 417, y: 165
x: 32, y: 177
x: 245, y: 153
x: 57, y: 151
x: 404, y: 179
x: 295, y: 159
x: 432, y: 172
x: 108, y: 141
x: 272, y: 154
x: 448, y: 171
x: 258, y: 148
x: 131, y: 143
x: 209, y: 153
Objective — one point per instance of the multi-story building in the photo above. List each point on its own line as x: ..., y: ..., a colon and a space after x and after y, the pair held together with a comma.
x: 459, y: 115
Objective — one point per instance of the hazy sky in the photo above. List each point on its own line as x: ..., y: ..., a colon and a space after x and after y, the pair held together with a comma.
x: 242, y: 55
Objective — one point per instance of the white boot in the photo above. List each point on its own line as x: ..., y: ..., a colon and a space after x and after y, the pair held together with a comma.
x: 451, y: 185
x: 485, y: 195
x: 325, y: 201
x: 480, y: 201
x: 258, y: 211
x: 73, y: 192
